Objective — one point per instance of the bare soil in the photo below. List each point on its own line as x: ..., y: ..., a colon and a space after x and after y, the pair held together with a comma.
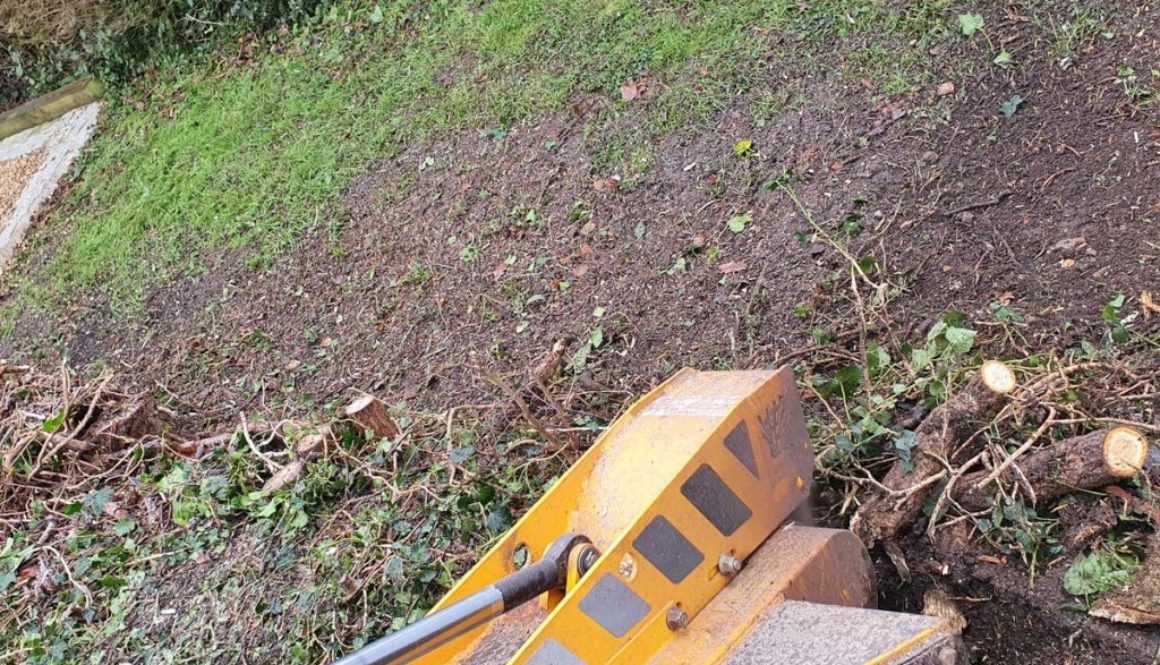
x: 1012, y: 619
x: 409, y: 291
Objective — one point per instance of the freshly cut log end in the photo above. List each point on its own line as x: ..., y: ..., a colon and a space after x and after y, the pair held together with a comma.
x: 371, y: 415
x: 998, y: 377
x: 1125, y: 451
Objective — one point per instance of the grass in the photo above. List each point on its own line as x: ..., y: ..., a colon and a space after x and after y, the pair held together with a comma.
x: 250, y: 157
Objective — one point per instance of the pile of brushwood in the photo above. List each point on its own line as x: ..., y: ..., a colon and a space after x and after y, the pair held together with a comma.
x: 1024, y: 464
x: 122, y: 524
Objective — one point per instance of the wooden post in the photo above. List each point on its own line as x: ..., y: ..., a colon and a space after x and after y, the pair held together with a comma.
x: 50, y: 107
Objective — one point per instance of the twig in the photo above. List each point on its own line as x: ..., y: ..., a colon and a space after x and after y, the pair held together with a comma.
x: 1047, y: 423
x: 273, y: 466
x: 68, y: 573
x: 524, y: 409
x: 50, y: 452
x: 1051, y: 178
x: 978, y: 205
x: 1110, y: 421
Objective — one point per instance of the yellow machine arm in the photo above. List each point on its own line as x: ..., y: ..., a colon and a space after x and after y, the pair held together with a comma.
x: 670, y: 541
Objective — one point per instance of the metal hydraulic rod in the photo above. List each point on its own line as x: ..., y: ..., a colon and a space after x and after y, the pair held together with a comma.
x: 433, y: 631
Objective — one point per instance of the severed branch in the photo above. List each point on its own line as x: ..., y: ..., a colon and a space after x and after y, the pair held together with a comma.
x: 884, y: 516
x: 1088, y: 461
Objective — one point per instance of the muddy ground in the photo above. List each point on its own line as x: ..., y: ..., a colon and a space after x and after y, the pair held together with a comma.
x: 467, y: 256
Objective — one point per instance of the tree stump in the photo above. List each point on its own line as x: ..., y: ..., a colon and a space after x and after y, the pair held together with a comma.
x: 370, y: 414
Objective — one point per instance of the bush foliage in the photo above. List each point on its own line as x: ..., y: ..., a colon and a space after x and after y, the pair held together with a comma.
x: 44, y: 43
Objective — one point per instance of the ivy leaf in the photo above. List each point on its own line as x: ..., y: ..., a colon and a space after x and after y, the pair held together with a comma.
x: 596, y: 338
x: 54, y: 423
x: 1097, y: 573
x: 960, y: 340
x: 579, y: 359
x: 919, y: 359
x: 125, y: 527
x: 844, y: 384
x: 738, y: 223
x: 877, y: 359
x: 905, y: 443
x: 95, y: 503
x: 461, y: 454
x: 971, y: 23
x: 499, y: 519
x: 1010, y: 106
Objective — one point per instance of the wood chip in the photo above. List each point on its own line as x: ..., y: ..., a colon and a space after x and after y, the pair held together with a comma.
x: 1069, y: 245
x: 14, y: 176
x: 936, y: 603
x: 1148, y: 305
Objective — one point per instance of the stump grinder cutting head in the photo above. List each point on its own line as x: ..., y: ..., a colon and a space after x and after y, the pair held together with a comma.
x: 672, y: 541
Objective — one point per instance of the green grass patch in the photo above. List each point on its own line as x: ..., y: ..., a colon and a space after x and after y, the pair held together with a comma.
x: 251, y: 157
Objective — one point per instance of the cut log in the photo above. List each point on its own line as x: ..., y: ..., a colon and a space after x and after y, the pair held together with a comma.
x: 370, y: 414
x: 313, y: 445
x: 1088, y: 461
x: 285, y: 476
x: 998, y: 377
x: 199, y: 447
x: 885, y: 515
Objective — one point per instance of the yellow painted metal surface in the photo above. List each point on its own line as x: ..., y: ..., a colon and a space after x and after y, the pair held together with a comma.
x: 708, y: 464
x: 670, y: 446
x: 827, y: 566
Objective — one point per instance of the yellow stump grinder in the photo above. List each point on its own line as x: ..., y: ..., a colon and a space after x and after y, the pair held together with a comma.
x: 672, y: 540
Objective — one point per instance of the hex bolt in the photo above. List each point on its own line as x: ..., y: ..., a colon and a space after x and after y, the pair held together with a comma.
x: 677, y: 618
x: 587, y: 559
x: 729, y: 565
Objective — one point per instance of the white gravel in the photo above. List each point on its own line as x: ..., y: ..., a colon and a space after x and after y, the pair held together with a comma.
x: 62, y: 140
